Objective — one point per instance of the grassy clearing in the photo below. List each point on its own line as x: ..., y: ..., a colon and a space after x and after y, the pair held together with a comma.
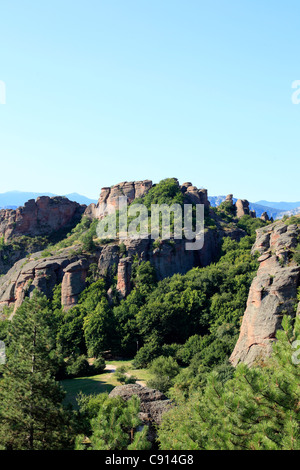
x: 100, y: 383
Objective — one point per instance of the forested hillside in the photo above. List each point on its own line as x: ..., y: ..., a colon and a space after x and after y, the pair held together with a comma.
x: 83, y: 301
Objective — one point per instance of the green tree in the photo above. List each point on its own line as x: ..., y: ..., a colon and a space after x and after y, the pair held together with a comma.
x: 258, y: 409
x: 70, y: 337
x: 98, y: 327
x: 163, y: 371
x: 113, y: 425
x: 88, y: 242
x: 31, y: 412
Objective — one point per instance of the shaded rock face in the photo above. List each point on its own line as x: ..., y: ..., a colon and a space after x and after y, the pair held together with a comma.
x: 153, y: 402
x: 40, y: 217
x: 273, y: 293
x: 72, y: 270
x: 168, y: 259
x: 44, y: 274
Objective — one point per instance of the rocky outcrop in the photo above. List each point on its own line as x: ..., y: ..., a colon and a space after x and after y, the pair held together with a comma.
x: 153, y: 402
x: 242, y: 208
x: 42, y: 273
x: 109, y: 197
x: 124, y: 276
x: 193, y: 195
x: 39, y: 218
x: 229, y: 199
x: 272, y: 295
x: 265, y: 217
x: 74, y: 281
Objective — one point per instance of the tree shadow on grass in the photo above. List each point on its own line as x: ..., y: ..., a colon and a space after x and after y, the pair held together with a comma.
x: 86, y: 385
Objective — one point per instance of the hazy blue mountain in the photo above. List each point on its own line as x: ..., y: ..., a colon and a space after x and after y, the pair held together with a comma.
x: 13, y: 199
x: 80, y: 199
x: 283, y: 206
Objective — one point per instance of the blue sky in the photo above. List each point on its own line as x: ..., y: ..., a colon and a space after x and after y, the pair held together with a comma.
x: 99, y: 92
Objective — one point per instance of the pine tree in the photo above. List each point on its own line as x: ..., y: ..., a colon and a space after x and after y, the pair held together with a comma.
x: 114, y: 426
x: 31, y: 413
x: 257, y: 410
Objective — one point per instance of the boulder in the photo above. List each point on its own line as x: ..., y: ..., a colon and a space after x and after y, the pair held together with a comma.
x: 153, y: 402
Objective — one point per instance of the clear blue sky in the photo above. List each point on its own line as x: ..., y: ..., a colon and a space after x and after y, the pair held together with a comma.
x: 99, y: 92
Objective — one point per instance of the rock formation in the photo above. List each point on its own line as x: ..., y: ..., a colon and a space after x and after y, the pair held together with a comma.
x: 39, y: 272
x: 193, y: 195
x: 109, y: 197
x: 229, y: 199
x: 38, y: 218
x: 242, y: 208
x: 273, y: 292
x: 265, y: 217
x: 153, y: 402
x: 124, y: 276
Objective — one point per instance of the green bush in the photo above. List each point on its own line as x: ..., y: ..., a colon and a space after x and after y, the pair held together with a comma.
x: 78, y: 368
x: 296, y: 255
x: 146, y: 354
x: 164, y: 370
x: 98, y: 366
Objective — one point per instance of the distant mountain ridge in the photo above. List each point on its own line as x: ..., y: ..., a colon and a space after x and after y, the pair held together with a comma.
x: 14, y: 199
x: 274, y: 209
x: 282, y: 206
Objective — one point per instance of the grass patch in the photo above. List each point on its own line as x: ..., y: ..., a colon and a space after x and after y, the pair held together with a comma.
x: 99, y: 383
x: 88, y: 385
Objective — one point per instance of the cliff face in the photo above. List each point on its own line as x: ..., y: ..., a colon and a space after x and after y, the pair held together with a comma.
x: 273, y: 292
x: 37, y: 218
